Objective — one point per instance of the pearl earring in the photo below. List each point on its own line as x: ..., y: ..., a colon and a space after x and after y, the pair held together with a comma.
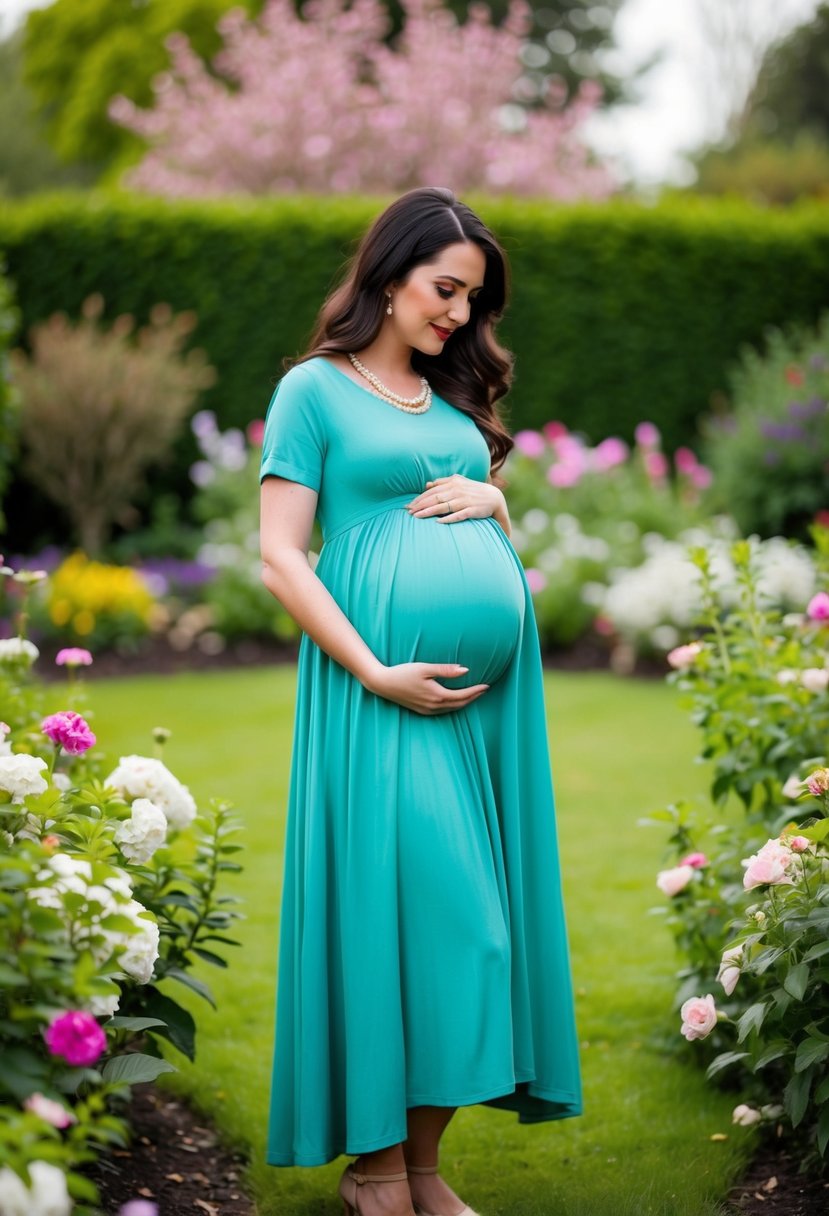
x: 388, y: 310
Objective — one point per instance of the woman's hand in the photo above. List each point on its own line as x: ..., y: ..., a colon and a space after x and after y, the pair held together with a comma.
x: 415, y: 686
x: 457, y: 497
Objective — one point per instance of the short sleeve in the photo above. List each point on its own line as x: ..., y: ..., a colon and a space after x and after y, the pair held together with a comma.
x: 293, y: 445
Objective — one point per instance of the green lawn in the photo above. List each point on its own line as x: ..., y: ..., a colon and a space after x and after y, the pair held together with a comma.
x: 620, y: 749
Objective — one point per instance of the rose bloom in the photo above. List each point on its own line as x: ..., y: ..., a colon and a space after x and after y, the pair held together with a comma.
x: 69, y: 731
x: 53, y: 1112
x: 745, y: 1116
x: 697, y: 860
x: 73, y: 656
x: 729, y: 971
x: 799, y: 843
x: 76, y: 1036
x: 768, y: 866
x: 145, y: 831
x: 671, y: 882
x: 684, y: 656
x: 793, y: 787
x: 818, y: 782
x: 818, y: 607
x: 20, y: 775
x: 699, y: 1017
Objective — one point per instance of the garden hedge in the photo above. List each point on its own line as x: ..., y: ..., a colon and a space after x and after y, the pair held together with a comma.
x: 620, y: 311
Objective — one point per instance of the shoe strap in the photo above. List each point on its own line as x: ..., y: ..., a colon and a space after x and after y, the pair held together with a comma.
x: 422, y: 1169
x: 361, y: 1178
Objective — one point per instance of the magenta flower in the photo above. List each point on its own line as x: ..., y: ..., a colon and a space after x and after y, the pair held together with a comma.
x: 697, y: 860
x: 554, y: 430
x: 818, y: 607
x: 530, y: 443
x: 701, y: 477
x: 685, y: 461
x: 73, y: 656
x: 256, y: 432
x: 647, y: 435
x: 69, y: 731
x: 76, y: 1036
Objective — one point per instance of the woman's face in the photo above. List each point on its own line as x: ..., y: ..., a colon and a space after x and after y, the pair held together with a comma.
x: 435, y: 299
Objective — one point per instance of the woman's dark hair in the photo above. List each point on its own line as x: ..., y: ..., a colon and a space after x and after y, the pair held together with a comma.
x: 473, y: 370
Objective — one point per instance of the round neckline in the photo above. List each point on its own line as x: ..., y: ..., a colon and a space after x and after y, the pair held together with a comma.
x: 374, y: 396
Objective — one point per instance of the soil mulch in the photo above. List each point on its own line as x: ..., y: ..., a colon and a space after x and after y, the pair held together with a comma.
x: 772, y: 1186
x: 174, y: 1159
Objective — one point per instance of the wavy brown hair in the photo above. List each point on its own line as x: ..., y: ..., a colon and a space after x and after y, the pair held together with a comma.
x: 473, y: 370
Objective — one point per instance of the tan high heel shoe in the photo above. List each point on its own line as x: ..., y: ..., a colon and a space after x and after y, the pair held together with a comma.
x: 419, y: 1211
x: 352, y: 1180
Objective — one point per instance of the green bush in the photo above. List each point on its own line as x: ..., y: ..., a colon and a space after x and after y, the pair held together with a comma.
x: 8, y: 393
x: 771, y: 453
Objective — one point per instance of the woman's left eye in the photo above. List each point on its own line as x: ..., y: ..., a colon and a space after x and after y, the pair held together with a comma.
x: 442, y: 291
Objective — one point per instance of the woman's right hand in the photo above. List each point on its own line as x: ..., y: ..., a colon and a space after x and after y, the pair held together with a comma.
x: 415, y: 686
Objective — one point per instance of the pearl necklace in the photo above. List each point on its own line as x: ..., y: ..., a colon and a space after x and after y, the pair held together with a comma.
x: 411, y: 405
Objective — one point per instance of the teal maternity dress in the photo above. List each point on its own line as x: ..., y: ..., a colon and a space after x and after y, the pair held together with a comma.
x: 423, y: 955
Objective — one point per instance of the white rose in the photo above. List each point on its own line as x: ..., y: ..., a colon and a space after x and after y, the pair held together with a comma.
x: 672, y: 881
x: 145, y: 831
x: 142, y: 777
x: 20, y: 775
x: 794, y: 787
x: 138, y: 958
x: 745, y: 1116
x: 815, y: 679
x: 14, y: 1195
x: 729, y: 971
x: 14, y: 649
x: 49, y: 1195
x: 103, y: 1005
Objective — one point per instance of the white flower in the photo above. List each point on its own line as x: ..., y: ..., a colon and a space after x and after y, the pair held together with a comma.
x: 672, y: 881
x: 12, y: 650
x: 729, y: 971
x: 20, y: 775
x: 745, y: 1116
x: 138, y: 959
x: 48, y: 1195
x: 794, y: 787
x: 14, y: 1195
x: 816, y: 679
x: 103, y: 1006
x: 141, y: 777
x: 145, y: 831
x: 62, y: 782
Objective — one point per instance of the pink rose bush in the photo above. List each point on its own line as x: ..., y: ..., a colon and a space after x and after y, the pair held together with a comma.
x: 769, y: 866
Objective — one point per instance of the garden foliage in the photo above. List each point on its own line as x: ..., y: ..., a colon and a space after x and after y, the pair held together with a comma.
x: 749, y: 888
x: 110, y: 890
x: 8, y: 393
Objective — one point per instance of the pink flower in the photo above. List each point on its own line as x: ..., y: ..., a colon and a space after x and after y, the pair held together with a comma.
x: 53, y: 1112
x: 671, y: 882
x: 656, y: 465
x: 256, y: 432
x: 554, y: 430
x: 696, y: 860
x: 138, y: 1207
x: 699, y: 1017
x: 609, y: 453
x: 647, y: 435
x: 69, y: 731
x: 701, y: 477
x: 818, y: 607
x: 729, y: 971
x: 768, y: 866
x: 530, y: 443
x: 815, y: 679
x: 536, y: 580
x: 76, y: 1036
x: 799, y: 843
x: 684, y: 656
x: 563, y: 475
x: 817, y: 782
x: 685, y: 461
x: 73, y: 656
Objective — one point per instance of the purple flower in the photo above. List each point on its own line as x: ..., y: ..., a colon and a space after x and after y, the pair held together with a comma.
x: 783, y: 432
x: 76, y: 1036
x: 808, y: 409
x: 69, y: 731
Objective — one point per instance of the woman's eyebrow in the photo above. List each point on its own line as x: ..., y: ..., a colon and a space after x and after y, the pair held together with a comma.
x: 459, y: 282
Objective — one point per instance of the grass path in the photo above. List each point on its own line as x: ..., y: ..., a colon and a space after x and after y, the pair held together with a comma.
x: 620, y: 749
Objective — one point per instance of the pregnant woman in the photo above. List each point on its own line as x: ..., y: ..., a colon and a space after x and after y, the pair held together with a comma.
x: 423, y: 960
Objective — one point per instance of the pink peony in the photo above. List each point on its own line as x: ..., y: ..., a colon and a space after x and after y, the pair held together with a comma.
x: 656, y: 465
x: 647, y: 435
x: 671, y: 882
x: 530, y: 443
x: 73, y: 656
x: 69, y: 731
x: 817, y: 782
x: 769, y: 866
x: 536, y: 580
x: 685, y: 461
x: 76, y: 1036
x: 818, y: 607
x: 53, y: 1112
x: 729, y: 971
x: 697, y: 860
x: 609, y: 453
x: 699, y: 1017
x: 684, y: 656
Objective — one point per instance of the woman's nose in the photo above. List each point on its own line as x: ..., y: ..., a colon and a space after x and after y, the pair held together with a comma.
x: 459, y: 311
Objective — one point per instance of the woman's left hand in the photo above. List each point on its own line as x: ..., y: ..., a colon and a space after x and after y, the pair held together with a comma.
x: 457, y: 497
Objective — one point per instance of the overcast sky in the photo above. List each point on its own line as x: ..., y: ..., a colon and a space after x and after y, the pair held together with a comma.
x: 646, y: 140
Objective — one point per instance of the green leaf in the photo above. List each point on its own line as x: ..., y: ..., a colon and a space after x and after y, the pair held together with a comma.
x: 774, y: 1050
x: 822, y: 1091
x: 752, y: 1019
x: 796, y: 981
x: 816, y: 831
x: 817, y: 951
x: 809, y: 1052
x: 175, y: 973
x: 125, y: 1023
x: 723, y: 1060
x: 180, y: 1025
x: 135, y: 1067
x: 823, y: 1131
x: 796, y: 1096
x: 210, y: 957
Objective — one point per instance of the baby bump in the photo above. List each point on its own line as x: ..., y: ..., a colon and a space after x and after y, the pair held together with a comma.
x: 419, y: 590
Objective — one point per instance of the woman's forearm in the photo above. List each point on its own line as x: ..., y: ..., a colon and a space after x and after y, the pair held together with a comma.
x: 291, y: 580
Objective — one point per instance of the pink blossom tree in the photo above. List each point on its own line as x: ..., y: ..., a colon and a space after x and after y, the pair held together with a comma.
x: 319, y: 102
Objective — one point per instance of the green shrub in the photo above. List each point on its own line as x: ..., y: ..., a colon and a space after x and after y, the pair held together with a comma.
x: 8, y: 393
x: 770, y: 454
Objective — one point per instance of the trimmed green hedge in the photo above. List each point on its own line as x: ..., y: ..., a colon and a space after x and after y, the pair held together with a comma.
x: 620, y: 311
